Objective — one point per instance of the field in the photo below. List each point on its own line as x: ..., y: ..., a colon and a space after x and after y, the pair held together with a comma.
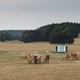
x: 14, y: 68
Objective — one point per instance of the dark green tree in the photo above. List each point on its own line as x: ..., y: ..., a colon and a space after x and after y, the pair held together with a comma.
x: 61, y: 38
x: 67, y: 30
x: 4, y: 36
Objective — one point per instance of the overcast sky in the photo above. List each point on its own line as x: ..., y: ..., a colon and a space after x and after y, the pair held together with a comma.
x: 31, y: 14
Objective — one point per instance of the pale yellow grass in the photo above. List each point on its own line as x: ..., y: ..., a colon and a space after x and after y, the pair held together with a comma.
x: 14, y: 68
x: 37, y: 46
x: 68, y: 71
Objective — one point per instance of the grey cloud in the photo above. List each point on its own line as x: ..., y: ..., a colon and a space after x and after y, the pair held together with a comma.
x: 35, y: 13
x: 42, y: 6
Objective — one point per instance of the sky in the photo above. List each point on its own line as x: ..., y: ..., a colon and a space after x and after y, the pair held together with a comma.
x: 32, y: 14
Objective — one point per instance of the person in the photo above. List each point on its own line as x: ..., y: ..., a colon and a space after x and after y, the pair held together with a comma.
x: 39, y: 59
x: 35, y: 58
x: 29, y: 58
x: 47, y: 57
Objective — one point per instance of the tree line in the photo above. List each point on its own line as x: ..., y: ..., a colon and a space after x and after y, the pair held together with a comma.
x: 5, y: 36
x: 53, y: 33
x: 8, y: 35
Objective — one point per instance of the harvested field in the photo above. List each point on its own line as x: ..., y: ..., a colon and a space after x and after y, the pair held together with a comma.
x: 37, y: 46
x: 14, y: 68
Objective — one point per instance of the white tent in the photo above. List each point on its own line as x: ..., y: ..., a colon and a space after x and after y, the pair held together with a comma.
x: 61, y: 48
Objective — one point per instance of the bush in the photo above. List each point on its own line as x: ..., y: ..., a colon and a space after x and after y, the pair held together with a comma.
x: 61, y: 38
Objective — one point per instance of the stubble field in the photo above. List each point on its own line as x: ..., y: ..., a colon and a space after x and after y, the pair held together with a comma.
x: 14, y: 68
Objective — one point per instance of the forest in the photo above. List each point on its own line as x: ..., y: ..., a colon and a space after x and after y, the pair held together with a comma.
x: 52, y: 33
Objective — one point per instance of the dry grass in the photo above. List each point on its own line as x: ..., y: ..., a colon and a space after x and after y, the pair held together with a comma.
x: 37, y: 46
x: 14, y: 68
